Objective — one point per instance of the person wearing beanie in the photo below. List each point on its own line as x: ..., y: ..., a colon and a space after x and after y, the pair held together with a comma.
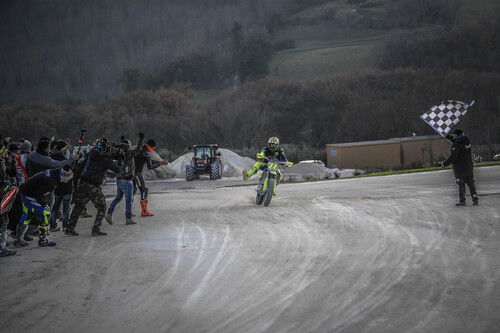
x: 125, y: 180
x: 463, y: 169
x: 64, y: 190
x: 144, y: 158
x: 25, y: 146
x: 33, y: 195
x: 40, y: 160
x: 14, y: 149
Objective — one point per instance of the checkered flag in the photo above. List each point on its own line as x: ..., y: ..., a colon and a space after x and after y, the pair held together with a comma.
x: 446, y: 115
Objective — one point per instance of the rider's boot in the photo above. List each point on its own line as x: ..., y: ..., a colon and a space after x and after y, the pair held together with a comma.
x: 247, y: 174
x: 144, y: 209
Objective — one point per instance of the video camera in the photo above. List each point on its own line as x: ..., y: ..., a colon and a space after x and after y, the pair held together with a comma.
x: 110, y: 149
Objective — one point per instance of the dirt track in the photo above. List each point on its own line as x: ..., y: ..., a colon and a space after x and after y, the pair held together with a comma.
x: 388, y: 254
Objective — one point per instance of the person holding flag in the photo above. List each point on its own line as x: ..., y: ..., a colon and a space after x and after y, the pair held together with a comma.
x: 443, y: 118
x: 461, y: 159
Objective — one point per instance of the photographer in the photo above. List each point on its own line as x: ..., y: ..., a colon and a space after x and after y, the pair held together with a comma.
x: 89, y: 188
x: 144, y: 157
x: 124, y: 180
x: 77, y: 167
x: 63, y: 192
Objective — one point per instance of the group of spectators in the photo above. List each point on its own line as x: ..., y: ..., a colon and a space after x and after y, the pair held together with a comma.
x: 35, y: 183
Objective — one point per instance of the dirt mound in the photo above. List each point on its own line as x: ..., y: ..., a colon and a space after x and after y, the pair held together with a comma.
x: 179, y: 165
x: 307, y: 171
x: 162, y: 172
x: 232, y: 164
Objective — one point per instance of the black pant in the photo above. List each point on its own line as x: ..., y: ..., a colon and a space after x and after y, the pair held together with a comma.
x: 472, y: 188
x: 140, y: 184
x: 15, y: 213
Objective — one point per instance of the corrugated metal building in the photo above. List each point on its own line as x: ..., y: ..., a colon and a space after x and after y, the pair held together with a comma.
x: 388, y: 154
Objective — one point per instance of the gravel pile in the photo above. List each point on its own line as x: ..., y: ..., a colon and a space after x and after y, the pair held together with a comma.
x: 233, y: 164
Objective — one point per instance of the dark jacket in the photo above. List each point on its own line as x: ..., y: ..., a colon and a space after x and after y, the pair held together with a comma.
x: 7, y: 170
x: 96, y: 167
x: 278, y: 153
x: 40, y: 184
x: 61, y: 188
x: 144, y: 157
x: 41, y: 161
x: 79, y: 165
x: 126, y: 164
x: 461, y: 157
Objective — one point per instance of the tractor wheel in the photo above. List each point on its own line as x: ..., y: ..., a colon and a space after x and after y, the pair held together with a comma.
x: 190, y: 173
x: 215, y: 171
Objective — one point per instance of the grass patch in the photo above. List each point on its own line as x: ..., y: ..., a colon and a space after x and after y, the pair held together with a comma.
x: 475, y: 9
x: 402, y: 172
x: 324, y: 63
x: 346, y: 52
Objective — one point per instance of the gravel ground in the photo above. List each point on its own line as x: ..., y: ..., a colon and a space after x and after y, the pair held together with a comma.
x: 385, y: 254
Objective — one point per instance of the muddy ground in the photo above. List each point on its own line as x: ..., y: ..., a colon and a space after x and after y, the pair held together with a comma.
x: 386, y: 254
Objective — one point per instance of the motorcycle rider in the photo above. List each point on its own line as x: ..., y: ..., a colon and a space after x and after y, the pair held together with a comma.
x: 33, y: 196
x: 89, y: 188
x: 144, y: 158
x: 273, y: 149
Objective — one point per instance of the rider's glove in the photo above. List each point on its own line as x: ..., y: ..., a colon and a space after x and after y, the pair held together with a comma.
x: 289, y: 164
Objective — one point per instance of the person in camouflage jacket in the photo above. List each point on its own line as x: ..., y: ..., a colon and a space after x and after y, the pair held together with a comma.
x: 89, y: 189
x: 125, y: 180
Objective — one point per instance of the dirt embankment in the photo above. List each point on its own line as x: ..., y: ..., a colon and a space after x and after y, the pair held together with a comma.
x: 233, y: 164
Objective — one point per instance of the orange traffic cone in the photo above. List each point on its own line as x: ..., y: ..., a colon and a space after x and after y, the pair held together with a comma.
x: 144, y: 206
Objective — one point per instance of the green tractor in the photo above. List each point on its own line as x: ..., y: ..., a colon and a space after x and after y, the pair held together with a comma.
x: 206, y: 161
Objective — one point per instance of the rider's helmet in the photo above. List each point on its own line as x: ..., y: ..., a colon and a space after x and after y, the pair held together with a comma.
x: 273, y: 143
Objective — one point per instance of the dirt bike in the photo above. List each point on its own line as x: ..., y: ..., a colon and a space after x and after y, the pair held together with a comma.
x: 269, y: 178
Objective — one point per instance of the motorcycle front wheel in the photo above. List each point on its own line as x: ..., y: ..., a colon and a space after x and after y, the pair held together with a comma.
x: 269, y: 193
x: 259, y: 199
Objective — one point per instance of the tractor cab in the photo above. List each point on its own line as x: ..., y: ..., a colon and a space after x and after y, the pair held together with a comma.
x: 206, y: 160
